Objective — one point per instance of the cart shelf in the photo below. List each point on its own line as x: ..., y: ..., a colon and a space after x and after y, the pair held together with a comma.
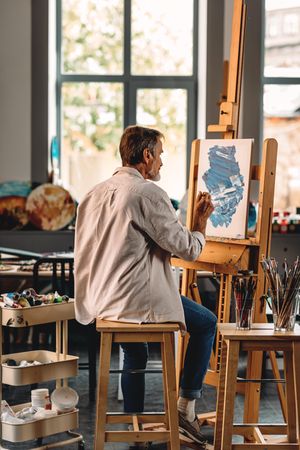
x: 61, y: 366
x: 37, y: 315
x: 39, y: 428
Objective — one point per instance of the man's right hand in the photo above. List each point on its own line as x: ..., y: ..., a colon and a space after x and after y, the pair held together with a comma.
x: 203, y: 209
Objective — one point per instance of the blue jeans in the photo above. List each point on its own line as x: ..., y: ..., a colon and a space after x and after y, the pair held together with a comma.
x: 201, y: 325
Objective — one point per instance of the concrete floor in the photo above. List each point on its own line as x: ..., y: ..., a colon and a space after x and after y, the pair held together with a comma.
x: 269, y: 409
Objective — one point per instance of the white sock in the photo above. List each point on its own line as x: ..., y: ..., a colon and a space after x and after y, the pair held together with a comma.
x: 187, y: 407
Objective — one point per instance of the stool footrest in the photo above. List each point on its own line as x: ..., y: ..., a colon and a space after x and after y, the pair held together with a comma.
x: 265, y: 446
x: 265, y: 428
x: 260, y: 380
x: 141, y: 418
x: 131, y: 371
x: 137, y: 436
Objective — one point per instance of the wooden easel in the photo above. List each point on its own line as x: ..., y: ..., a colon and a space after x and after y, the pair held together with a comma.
x: 226, y: 257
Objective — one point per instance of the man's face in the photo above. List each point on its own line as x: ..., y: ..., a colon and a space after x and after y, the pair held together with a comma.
x: 153, y: 173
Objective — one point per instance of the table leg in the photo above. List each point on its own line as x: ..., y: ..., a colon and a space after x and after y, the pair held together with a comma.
x: 220, y: 397
x: 229, y: 393
x: 296, y: 361
x: 290, y: 397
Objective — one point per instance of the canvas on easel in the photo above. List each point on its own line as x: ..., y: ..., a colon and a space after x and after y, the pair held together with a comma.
x: 224, y: 172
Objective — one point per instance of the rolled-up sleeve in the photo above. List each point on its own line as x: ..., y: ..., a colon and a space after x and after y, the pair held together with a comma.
x: 163, y: 226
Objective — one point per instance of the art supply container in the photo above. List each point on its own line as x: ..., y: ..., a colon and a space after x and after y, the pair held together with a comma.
x: 286, y: 322
x: 283, y: 292
x: 40, y: 397
x: 243, y: 318
x: 243, y: 290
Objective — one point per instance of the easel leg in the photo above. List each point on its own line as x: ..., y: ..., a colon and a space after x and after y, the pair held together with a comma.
x: 188, y: 278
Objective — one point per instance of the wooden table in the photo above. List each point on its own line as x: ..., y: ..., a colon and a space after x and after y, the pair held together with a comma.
x: 261, y: 337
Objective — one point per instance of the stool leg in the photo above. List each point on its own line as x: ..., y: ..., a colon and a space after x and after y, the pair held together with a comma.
x: 103, y: 379
x: 165, y: 383
x: 220, y: 398
x: 291, y: 419
x: 169, y: 378
x: 229, y: 393
x: 279, y: 386
x: 296, y: 361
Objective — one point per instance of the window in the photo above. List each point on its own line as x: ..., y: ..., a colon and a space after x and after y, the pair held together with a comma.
x: 273, y: 27
x: 282, y: 99
x: 291, y: 24
x: 120, y: 63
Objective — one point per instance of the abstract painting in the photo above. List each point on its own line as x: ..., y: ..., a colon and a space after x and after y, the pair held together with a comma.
x: 224, y: 172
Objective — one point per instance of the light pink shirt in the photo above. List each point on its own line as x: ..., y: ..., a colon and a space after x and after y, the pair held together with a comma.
x: 126, y: 231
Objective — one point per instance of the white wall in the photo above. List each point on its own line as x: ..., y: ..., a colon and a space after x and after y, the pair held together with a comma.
x: 15, y: 90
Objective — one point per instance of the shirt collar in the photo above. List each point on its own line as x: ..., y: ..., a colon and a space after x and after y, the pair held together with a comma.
x: 129, y: 170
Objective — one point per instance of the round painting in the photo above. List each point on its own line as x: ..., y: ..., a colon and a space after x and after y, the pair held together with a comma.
x: 50, y: 207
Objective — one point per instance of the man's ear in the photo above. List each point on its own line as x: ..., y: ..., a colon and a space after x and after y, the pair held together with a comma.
x: 146, y: 155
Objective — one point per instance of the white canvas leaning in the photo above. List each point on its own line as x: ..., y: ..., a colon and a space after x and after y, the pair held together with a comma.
x: 224, y: 172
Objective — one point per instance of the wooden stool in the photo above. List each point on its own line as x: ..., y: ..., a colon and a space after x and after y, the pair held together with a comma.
x: 131, y: 332
x: 260, y: 338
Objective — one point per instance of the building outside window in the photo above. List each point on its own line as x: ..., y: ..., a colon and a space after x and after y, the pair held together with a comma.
x: 282, y: 98
x: 120, y: 63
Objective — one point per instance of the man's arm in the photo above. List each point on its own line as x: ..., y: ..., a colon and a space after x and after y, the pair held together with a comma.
x: 163, y: 226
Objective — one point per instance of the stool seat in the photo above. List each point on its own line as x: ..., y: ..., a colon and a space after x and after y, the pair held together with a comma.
x: 108, y: 325
x: 261, y: 337
x: 121, y: 332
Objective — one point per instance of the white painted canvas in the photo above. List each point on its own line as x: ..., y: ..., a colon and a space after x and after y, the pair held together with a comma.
x: 224, y: 172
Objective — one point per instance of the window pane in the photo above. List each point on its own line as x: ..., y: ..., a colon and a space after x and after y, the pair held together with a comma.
x: 282, y: 122
x: 92, y: 36
x: 162, y: 37
x: 166, y: 110
x: 92, y: 127
x: 282, y: 38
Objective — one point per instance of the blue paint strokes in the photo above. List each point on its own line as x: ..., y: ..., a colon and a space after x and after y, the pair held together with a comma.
x: 225, y: 184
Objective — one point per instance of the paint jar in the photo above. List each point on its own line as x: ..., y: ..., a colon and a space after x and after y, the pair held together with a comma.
x: 286, y: 319
x: 244, y: 286
x: 244, y: 318
x: 40, y: 398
